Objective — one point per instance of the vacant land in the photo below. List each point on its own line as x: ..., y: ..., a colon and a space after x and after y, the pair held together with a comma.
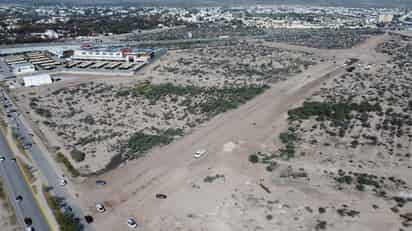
x: 357, y: 130
x: 328, y: 149
x: 245, y: 63
x: 198, y: 31
x: 266, y: 170
x: 323, y: 38
x: 97, y: 123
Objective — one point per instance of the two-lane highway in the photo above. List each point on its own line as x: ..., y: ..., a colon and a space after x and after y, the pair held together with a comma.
x: 16, y: 186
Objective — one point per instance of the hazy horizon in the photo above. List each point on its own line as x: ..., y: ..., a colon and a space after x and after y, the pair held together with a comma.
x: 186, y: 3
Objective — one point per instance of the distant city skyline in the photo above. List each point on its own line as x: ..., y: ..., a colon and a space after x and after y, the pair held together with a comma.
x: 187, y: 3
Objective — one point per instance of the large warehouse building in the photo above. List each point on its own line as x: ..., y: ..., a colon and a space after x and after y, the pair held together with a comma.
x: 107, y: 53
x: 37, y: 80
x: 23, y: 68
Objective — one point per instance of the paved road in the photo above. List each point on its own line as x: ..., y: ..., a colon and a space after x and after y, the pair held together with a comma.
x: 16, y: 186
x: 39, y: 158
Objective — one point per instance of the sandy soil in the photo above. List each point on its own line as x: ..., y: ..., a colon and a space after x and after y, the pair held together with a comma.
x: 247, y: 197
x: 224, y: 191
x: 87, y: 115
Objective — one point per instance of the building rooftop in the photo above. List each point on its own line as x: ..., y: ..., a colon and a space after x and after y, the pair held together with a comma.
x: 20, y: 65
x: 113, y: 48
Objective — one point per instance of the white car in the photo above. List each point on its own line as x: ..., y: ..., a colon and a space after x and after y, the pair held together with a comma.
x: 199, y: 153
x: 100, y: 208
x: 131, y: 223
x: 2, y: 158
x: 62, y: 182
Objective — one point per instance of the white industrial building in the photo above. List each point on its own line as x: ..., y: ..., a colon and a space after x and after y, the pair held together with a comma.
x: 97, y: 55
x: 106, y: 53
x: 37, y: 80
x: 23, y: 68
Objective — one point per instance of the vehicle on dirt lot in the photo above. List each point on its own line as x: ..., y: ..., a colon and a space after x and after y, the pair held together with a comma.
x: 199, y: 153
x: 100, y: 182
x: 131, y: 223
x: 161, y: 196
x: 100, y: 208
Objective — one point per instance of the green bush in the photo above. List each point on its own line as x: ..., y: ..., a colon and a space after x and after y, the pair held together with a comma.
x: 60, y: 158
x: 43, y: 112
x: 217, y: 100
x: 77, y: 155
x: 335, y: 112
x: 141, y: 142
x: 88, y: 120
x: 253, y: 158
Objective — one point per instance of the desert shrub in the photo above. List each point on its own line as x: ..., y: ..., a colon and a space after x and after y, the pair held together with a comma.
x: 43, y: 112
x: 217, y: 100
x: 229, y: 98
x: 210, y: 179
x: 287, y: 137
x: 141, y: 142
x: 344, y: 179
x: 88, y: 120
x: 62, y: 159
x: 321, y: 225
x: 77, y: 155
x: 338, y: 113
x: 253, y: 158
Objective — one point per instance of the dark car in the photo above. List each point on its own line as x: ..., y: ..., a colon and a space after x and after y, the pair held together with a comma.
x: 161, y: 196
x: 28, y: 221
x: 100, y: 182
x: 89, y: 219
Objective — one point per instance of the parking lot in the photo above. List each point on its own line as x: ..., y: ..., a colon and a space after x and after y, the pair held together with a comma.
x: 103, y: 66
x: 40, y: 59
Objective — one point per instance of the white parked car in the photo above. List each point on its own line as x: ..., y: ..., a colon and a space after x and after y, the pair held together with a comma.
x: 131, y: 223
x: 199, y: 153
x: 2, y: 158
x: 100, y: 208
x: 62, y: 182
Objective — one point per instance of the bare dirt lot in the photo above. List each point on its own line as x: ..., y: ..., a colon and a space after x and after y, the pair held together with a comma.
x: 98, y: 122
x: 225, y: 191
x: 251, y: 178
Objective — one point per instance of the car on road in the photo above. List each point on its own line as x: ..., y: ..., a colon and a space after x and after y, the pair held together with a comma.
x: 131, y: 222
x: 2, y: 158
x: 30, y: 228
x: 100, y: 208
x: 199, y: 153
x: 62, y: 182
x: 28, y: 221
x: 19, y: 198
